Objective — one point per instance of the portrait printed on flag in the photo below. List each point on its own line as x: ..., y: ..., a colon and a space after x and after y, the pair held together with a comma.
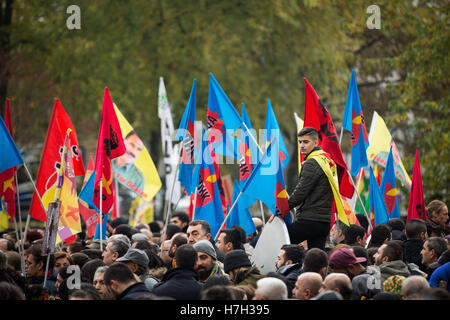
x: 125, y: 168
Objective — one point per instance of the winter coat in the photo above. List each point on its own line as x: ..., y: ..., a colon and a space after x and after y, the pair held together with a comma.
x: 312, y: 196
x: 133, y: 291
x: 441, y: 277
x: 291, y: 272
x: 367, y: 284
x: 412, y: 249
x: 392, y: 268
x: 180, y: 284
x: 248, y: 277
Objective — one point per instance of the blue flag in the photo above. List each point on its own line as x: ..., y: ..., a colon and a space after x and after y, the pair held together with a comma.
x: 378, y: 210
x: 249, y: 152
x: 208, y: 205
x: 104, y: 228
x: 218, y: 101
x: 186, y: 133
x: 266, y: 182
x: 240, y: 215
x: 354, y: 122
x: 87, y: 192
x: 9, y: 155
x: 388, y: 188
x: 271, y: 126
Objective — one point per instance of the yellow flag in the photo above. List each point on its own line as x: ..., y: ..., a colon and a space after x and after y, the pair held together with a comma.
x: 4, y: 218
x: 380, y: 141
x: 69, y: 214
x: 299, y: 123
x: 329, y: 168
x: 135, y: 169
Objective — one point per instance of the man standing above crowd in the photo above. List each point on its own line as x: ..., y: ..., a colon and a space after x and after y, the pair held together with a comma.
x: 312, y: 196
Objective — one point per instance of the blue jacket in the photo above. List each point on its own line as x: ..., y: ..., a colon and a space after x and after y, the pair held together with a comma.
x: 180, y: 284
x: 441, y: 276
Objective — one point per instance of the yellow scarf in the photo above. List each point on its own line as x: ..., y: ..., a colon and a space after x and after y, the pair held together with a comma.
x: 329, y: 167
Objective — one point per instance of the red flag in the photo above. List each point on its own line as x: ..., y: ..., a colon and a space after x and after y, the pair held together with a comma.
x: 416, y: 207
x: 317, y: 116
x: 7, y: 181
x: 90, y: 216
x: 51, y: 159
x: 110, y: 145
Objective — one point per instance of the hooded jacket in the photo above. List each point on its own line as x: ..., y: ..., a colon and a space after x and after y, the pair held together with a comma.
x: 180, y: 284
x: 312, y: 196
x: 248, y: 277
x: 291, y: 272
x: 412, y: 249
x: 392, y: 268
x: 367, y: 284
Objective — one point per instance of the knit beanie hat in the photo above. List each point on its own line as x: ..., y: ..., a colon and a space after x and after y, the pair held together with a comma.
x: 206, y: 247
x: 236, y: 259
x: 393, y: 284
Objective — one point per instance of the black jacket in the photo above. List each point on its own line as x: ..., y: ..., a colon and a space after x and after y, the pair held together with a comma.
x: 291, y: 272
x: 133, y: 291
x: 412, y: 248
x: 180, y: 284
x: 312, y: 195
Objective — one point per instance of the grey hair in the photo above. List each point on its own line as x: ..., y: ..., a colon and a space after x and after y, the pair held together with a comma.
x: 272, y: 288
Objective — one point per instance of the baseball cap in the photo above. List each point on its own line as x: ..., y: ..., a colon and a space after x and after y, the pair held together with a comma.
x: 344, y: 257
x: 136, y: 256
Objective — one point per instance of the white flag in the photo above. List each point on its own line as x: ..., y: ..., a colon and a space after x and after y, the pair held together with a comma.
x: 169, y: 152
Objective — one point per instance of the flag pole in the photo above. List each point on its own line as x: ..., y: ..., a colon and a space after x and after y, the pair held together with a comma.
x: 195, y: 201
x: 260, y: 150
x: 34, y: 186
x: 360, y: 201
x: 21, y: 243
x: 228, y: 214
x: 340, y: 136
x: 167, y: 207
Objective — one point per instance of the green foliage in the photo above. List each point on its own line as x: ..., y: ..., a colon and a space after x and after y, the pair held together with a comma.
x: 255, y: 49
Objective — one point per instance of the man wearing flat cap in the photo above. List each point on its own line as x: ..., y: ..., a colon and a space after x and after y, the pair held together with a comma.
x: 207, y: 264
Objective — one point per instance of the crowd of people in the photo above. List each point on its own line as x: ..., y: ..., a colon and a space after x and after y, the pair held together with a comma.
x: 401, y: 261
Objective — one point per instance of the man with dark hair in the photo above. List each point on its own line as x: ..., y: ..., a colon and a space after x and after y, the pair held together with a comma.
x: 390, y: 259
x: 35, y: 264
x: 316, y: 260
x: 177, y: 241
x: 121, y: 281
x: 207, y: 265
x: 355, y: 236
x: 181, y: 282
x: 171, y: 230
x: 181, y: 219
x: 123, y: 229
x: 397, y: 229
x: 416, y: 232
x: 433, y: 248
x: 200, y: 230
x: 228, y: 240
x: 289, y: 264
x: 312, y: 196
x: 380, y: 235
x: 337, y: 233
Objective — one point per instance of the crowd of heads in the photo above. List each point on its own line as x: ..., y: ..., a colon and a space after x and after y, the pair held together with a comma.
x: 399, y: 260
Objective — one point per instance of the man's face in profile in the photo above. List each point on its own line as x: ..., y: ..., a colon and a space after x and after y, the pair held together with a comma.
x: 134, y: 146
